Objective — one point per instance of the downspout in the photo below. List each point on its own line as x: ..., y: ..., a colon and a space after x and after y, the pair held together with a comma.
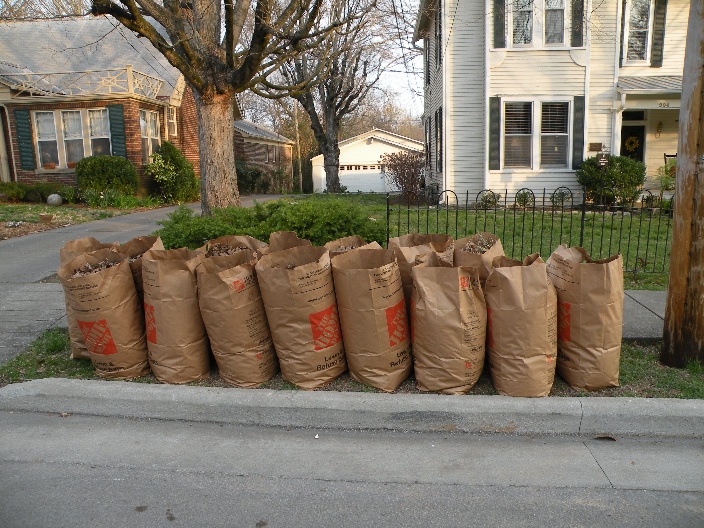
x: 487, y: 84
x: 12, y: 149
x: 616, y: 112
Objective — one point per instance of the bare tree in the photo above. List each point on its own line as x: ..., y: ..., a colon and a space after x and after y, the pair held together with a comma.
x: 222, y: 47
x: 353, y: 58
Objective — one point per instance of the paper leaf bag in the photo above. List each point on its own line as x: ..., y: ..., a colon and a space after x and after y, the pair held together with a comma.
x: 522, y: 327
x: 233, y: 312
x: 299, y: 298
x: 230, y: 244
x: 448, y: 318
x: 408, y: 247
x: 373, y: 317
x: 134, y: 249
x: 478, y: 251
x: 589, y: 317
x: 281, y: 240
x: 178, y: 344
x: 67, y: 253
x: 343, y: 245
x: 101, y: 294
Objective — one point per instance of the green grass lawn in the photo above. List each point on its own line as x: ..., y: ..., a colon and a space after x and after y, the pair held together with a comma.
x: 63, y: 214
x: 641, y: 373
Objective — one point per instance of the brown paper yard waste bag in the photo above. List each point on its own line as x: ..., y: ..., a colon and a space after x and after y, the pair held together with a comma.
x: 178, y: 344
x: 522, y: 327
x: 134, y: 249
x: 67, y: 253
x: 373, y: 317
x: 345, y: 244
x: 233, y: 313
x: 101, y: 293
x: 281, y: 240
x: 478, y: 251
x: 230, y: 244
x: 299, y: 298
x: 448, y: 320
x: 589, y: 317
x: 408, y: 247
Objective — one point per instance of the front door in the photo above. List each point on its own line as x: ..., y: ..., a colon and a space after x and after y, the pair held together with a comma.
x: 633, y: 142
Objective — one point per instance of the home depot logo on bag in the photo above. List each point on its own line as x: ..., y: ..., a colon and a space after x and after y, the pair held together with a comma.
x: 396, y: 323
x: 151, y: 323
x: 240, y: 285
x: 325, y: 326
x: 563, y: 330
x: 97, y: 337
x: 464, y: 283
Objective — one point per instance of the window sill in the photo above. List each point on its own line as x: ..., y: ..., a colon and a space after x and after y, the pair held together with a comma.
x: 519, y: 170
x: 57, y: 170
x: 542, y: 48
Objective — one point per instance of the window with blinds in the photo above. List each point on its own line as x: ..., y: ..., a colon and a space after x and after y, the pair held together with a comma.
x: 639, y: 17
x: 518, y: 130
x: 554, y: 135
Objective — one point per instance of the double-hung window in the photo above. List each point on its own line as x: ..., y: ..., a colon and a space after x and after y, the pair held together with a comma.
x: 554, y: 22
x: 72, y: 125
x: 637, y: 30
x: 522, y: 22
x: 171, y: 121
x: 536, y: 135
x: 99, y: 129
x: 47, y: 139
x: 149, y: 126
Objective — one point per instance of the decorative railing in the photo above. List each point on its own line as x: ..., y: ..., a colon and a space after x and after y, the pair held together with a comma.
x: 81, y: 83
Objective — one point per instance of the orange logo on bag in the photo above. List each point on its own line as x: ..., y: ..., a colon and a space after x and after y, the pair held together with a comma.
x: 468, y: 364
x: 325, y: 326
x: 151, y: 323
x: 464, y: 283
x: 97, y: 337
x: 563, y: 321
x: 238, y: 285
x: 550, y: 359
x: 260, y: 356
x: 489, y: 332
x: 397, y: 323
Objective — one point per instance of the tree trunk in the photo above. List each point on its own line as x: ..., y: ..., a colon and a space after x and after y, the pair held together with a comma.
x: 683, y: 335
x: 216, y: 136
x: 298, y: 147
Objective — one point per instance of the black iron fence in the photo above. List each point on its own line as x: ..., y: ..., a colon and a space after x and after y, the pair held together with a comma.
x: 638, y: 226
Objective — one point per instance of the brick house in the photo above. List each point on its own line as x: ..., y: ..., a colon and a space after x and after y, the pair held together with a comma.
x: 85, y: 86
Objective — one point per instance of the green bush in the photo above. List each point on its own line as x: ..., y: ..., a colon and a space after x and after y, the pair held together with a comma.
x: 251, y: 179
x: 13, y: 192
x: 318, y: 220
x: 69, y: 194
x: 617, y: 182
x: 115, y: 199
x: 100, y: 173
x: 173, y: 179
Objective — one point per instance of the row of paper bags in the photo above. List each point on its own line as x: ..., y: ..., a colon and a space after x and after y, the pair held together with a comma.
x: 289, y: 304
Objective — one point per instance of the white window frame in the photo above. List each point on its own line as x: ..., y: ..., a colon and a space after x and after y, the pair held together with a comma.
x: 536, y: 122
x: 88, y: 146
x: 565, y: 14
x: 149, y: 114
x: 171, y: 121
x: 509, y: 23
x: 60, y: 136
x: 627, y: 31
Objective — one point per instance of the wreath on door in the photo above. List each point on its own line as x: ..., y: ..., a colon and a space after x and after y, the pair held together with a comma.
x: 632, y: 143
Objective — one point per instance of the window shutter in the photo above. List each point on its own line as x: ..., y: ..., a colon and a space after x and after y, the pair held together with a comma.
x: 117, y: 130
x: 578, y: 132
x: 24, y: 139
x: 623, y: 30
x: 499, y: 23
x: 494, y: 133
x: 660, y: 12
x: 577, y: 39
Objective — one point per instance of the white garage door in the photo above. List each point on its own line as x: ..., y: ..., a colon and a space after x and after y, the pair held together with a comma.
x: 362, y: 178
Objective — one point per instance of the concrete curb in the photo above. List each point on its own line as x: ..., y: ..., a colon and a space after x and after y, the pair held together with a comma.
x: 332, y: 410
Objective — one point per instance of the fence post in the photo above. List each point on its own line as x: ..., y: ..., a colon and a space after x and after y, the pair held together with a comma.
x: 388, y: 219
x: 584, y: 213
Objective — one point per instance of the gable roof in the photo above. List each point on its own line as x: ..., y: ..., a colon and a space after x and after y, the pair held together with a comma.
x: 385, y: 136
x: 76, y: 45
x: 252, y: 130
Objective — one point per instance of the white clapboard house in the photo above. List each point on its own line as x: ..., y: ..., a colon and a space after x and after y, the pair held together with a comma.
x: 519, y: 92
x: 361, y: 169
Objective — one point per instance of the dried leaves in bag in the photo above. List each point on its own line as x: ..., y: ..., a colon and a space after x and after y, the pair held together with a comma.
x: 343, y: 245
x: 299, y: 298
x: 282, y: 240
x: 176, y: 337
x: 233, y: 312
x: 589, y: 317
x: 134, y: 249
x: 448, y: 318
x: 105, y: 304
x: 522, y: 327
x: 478, y: 251
x: 231, y: 245
x: 67, y: 253
x: 373, y: 317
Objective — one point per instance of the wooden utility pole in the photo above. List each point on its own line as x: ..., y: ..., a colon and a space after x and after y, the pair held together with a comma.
x: 683, y: 335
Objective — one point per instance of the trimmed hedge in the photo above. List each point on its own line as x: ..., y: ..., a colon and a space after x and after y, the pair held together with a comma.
x: 619, y: 181
x: 100, y: 173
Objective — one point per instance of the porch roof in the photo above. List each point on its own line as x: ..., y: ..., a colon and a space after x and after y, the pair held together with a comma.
x: 663, y: 84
